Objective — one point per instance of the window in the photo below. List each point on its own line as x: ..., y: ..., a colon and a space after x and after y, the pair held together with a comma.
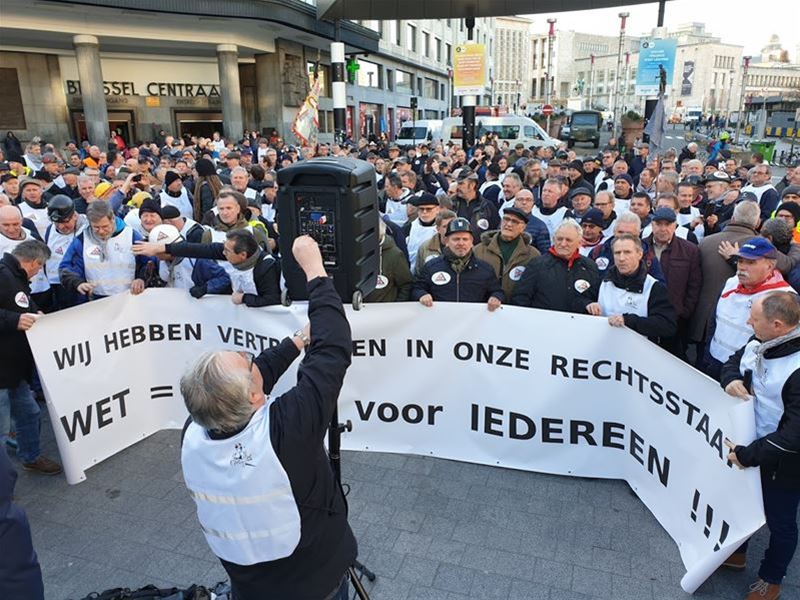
x: 392, y: 32
x: 403, y: 81
x: 419, y: 86
x: 431, y: 88
x: 373, y: 25
x: 448, y: 50
x: 438, y: 50
x: 368, y: 75
x: 411, y: 37
x: 13, y: 113
x: 390, y: 79
x: 426, y: 44
x: 322, y: 74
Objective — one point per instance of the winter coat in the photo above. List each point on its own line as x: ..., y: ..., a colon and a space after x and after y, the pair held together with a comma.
x: 476, y: 283
x: 509, y: 273
x: 481, y: 214
x: 680, y: 261
x: 552, y: 283
x: 394, y: 282
x: 16, y: 360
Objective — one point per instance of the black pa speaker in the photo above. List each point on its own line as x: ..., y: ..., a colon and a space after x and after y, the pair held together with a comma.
x: 335, y: 201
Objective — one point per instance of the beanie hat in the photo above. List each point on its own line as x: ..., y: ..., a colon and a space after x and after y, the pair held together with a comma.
x: 577, y: 165
x: 205, y: 167
x: 791, y: 189
x: 150, y: 205
x: 791, y: 207
x: 170, y: 178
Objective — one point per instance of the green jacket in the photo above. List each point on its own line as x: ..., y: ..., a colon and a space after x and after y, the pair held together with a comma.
x: 395, y: 276
x: 509, y: 274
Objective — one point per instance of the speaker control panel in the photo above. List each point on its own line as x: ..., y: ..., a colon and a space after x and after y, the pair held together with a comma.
x: 316, y: 217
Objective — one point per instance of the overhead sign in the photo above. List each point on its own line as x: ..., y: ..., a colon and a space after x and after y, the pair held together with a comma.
x: 469, y: 70
x: 655, y: 57
x: 580, y: 399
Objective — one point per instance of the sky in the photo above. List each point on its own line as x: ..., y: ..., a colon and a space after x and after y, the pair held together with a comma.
x: 734, y: 21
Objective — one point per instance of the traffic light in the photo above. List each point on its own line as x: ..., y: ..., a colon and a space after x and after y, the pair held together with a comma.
x: 413, y: 102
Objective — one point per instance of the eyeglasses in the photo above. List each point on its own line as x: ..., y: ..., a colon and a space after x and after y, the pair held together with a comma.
x: 249, y: 357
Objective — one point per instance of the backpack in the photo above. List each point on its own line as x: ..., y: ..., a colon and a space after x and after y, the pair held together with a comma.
x: 151, y: 592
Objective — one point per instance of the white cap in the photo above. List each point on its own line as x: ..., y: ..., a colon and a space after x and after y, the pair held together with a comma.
x: 164, y: 234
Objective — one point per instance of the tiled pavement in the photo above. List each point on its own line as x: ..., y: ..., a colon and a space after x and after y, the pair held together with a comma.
x: 430, y: 528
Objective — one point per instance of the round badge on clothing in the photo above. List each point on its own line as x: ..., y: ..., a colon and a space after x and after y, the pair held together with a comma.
x: 381, y: 282
x: 516, y: 273
x: 581, y: 285
x: 483, y: 223
x: 21, y: 299
x: 602, y: 263
x: 440, y: 278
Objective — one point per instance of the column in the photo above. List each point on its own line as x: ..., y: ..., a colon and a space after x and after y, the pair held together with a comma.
x: 228, y: 63
x: 87, y: 55
x: 269, y: 92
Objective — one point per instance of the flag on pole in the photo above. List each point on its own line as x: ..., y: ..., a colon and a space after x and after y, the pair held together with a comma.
x: 306, y: 123
x: 656, y: 126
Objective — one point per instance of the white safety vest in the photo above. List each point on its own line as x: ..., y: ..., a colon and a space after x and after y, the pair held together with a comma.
x: 112, y: 265
x: 187, y: 226
x: 58, y: 244
x: 39, y: 283
x: 37, y: 215
x: 268, y: 211
x: 181, y: 202
x: 758, y: 191
x: 681, y: 232
x: 769, y: 377
x: 418, y: 235
x: 617, y: 301
x: 220, y: 237
x: 552, y: 221
x: 242, y: 281
x: 177, y: 273
x: 733, y: 310
x: 621, y: 205
x: 244, y: 499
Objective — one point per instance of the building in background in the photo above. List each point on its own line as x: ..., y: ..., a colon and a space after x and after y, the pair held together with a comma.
x: 512, y: 85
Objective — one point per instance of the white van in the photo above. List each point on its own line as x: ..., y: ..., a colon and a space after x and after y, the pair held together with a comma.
x: 416, y: 132
x: 512, y: 129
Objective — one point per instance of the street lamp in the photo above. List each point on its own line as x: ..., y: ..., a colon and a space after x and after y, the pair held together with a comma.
x: 591, y: 80
x: 549, y: 81
x: 623, y: 16
x: 745, y: 66
x: 731, y: 75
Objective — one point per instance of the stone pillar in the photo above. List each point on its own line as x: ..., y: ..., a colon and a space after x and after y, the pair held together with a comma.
x: 228, y: 62
x: 87, y: 54
x: 269, y: 91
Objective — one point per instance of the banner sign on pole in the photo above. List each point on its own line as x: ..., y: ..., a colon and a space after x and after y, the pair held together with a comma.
x: 652, y: 54
x: 687, y: 78
x: 469, y: 70
x: 518, y: 388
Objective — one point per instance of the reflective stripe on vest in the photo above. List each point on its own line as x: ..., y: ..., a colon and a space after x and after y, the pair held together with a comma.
x: 617, y: 301
x: 242, y: 492
x: 111, y: 268
x: 733, y: 310
x: 769, y: 377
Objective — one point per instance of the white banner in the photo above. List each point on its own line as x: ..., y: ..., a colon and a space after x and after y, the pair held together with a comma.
x: 518, y: 388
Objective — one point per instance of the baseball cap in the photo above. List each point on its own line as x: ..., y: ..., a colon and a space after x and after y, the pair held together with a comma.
x: 718, y: 176
x: 581, y: 191
x: 458, y: 225
x: 424, y: 199
x: 521, y: 215
x: 757, y: 247
x: 170, y: 212
x: 664, y: 214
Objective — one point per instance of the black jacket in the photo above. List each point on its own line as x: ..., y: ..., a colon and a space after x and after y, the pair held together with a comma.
x: 661, y: 320
x: 20, y: 575
x: 16, y: 360
x: 778, y: 454
x: 266, y: 271
x: 481, y: 214
x: 476, y: 283
x: 550, y: 282
x: 299, y: 422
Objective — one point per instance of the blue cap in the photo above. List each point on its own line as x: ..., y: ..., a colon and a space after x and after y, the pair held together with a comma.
x: 593, y: 216
x: 664, y: 214
x: 757, y: 247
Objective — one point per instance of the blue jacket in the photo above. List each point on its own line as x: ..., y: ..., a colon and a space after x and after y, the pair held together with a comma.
x: 604, y: 259
x: 477, y: 283
x: 210, y: 276
x: 540, y: 235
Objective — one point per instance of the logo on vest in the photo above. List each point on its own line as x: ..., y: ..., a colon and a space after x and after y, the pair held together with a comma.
x: 440, y: 278
x: 381, y: 282
x: 582, y: 285
x: 602, y: 263
x: 94, y: 252
x: 22, y: 300
x: 516, y: 273
x: 241, y: 457
x: 631, y: 301
x: 59, y: 250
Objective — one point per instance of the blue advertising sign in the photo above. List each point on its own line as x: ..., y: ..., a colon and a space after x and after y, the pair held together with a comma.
x: 655, y: 56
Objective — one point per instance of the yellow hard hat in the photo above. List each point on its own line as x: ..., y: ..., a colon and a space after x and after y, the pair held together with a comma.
x: 137, y: 199
x: 101, y: 189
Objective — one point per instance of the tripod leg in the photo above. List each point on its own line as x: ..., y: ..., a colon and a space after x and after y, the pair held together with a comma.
x: 361, y: 592
x: 364, y: 570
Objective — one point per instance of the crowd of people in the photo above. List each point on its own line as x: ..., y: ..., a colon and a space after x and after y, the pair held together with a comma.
x: 681, y: 251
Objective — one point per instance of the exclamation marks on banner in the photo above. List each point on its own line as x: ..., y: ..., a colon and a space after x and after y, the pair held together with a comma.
x: 709, y: 521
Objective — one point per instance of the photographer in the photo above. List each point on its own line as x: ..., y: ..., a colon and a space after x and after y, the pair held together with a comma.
x: 273, y: 512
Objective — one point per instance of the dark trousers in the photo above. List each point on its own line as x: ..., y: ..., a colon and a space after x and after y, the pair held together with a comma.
x: 780, y: 508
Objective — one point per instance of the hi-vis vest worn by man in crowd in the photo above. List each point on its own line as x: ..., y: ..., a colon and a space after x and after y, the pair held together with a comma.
x: 267, y: 499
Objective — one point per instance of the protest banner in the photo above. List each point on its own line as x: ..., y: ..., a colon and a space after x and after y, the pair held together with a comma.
x: 518, y: 388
